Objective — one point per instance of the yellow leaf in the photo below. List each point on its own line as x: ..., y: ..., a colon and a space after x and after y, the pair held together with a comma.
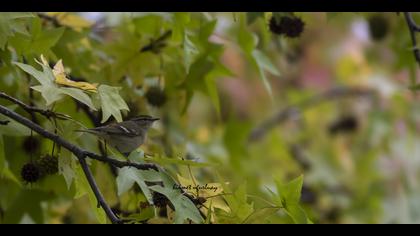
x: 73, y: 21
x: 61, y: 77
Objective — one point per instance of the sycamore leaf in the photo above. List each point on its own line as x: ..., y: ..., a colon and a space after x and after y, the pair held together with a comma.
x: 42, y: 77
x: 79, y: 95
x: 111, y: 102
x: 128, y: 176
x: 240, y: 209
x: 260, y: 215
x: 290, y: 192
x: 184, y: 208
x: 296, y: 212
x: 71, y: 20
x: 66, y: 164
x: 251, y: 17
x: 50, y: 93
x: 61, y: 78
x: 9, y: 25
x: 289, y: 196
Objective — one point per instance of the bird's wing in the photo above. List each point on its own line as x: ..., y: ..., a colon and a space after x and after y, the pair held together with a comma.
x: 124, y: 128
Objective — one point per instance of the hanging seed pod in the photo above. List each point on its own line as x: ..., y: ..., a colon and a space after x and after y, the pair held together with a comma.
x: 156, y: 96
x: 378, y: 27
x: 48, y: 165
x: 288, y: 26
x: 30, y: 173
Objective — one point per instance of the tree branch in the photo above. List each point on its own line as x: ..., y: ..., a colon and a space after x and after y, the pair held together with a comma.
x: 32, y: 110
x: 413, y: 27
x: 78, y: 152
x: 292, y: 111
x: 51, y: 19
x: 81, y: 155
x: 101, y: 201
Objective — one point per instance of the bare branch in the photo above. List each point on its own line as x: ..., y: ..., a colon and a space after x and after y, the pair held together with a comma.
x: 31, y: 110
x: 292, y: 111
x: 413, y: 27
x: 51, y: 19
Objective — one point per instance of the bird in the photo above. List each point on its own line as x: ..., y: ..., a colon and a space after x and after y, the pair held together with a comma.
x: 125, y: 136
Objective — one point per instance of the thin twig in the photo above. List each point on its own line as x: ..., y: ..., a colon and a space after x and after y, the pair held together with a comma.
x: 413, y: 27
x: 31, y: 110
x: 51, y: 19
x: 101, y: 201
x: 292, y: 111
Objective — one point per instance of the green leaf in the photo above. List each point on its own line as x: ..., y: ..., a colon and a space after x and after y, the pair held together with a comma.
x: 251, y: 17
x: 41, y: 77
x: 111, y: 102
x: 260, y: 215
x: 50, y: 93
x: 66, y: 164
x: 212, y: 91
x: 246, y: 39
x: 180, y: 21
x: 238, y: 203
x: 27, y: 202
x: 127, y: 176
x: 79, y: 95
x: 190, y: 50
x: 184, y: 208
x: 46, y: 40
x: 290, y: 197
x: 8, y: 25
x: 290, y: 192
x: 264, y: 62
x: 297, y: 214
x: 332, y: 15
x: 200, y: 68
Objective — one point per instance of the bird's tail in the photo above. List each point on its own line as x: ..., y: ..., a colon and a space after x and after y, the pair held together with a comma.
x: 86, y: 131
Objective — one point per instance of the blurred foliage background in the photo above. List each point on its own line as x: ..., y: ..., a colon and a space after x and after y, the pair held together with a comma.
x: 259, y: 107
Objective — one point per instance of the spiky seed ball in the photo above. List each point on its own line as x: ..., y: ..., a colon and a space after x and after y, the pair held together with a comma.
x: 156, y: 96
x: 31, y: 144
x: 289, y: 26
x: 378, y: 27
x: 30, y: 173
x: 345, y: 124
x: 48, y: 165
x: 159, y: 200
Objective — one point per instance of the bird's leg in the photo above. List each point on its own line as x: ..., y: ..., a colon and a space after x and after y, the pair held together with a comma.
x: 126, y: 155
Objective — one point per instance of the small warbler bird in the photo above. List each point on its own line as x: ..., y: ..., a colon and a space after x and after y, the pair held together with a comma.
x: 125, y: 136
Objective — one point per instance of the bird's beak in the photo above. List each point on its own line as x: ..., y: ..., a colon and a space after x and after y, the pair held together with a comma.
x: 155, y: 119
